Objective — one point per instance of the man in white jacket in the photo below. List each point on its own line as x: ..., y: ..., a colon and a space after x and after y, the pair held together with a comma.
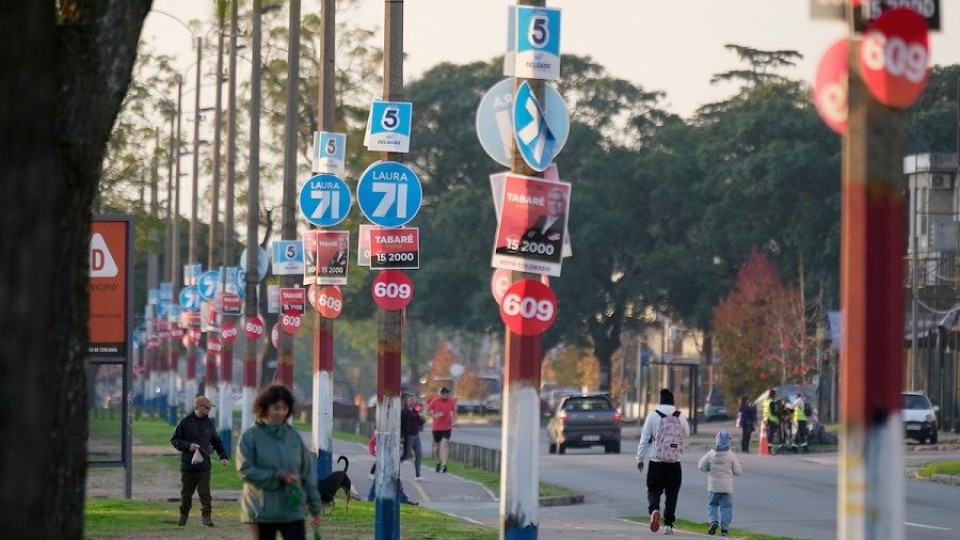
x: 664, y: 475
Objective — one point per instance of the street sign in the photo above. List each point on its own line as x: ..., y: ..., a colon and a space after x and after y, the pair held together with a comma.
x: 535, y: 140
x: 287, y: 257
x: 538, y: 43
x: 363, y: 244
x: 495, y: 120
x: 293, y: 298
x: 329, y: 152
x: 500, y: 281
x: 389, y: 194
x: 325, y: 200
x: 397, y: 248
x: 263, y: 261
x: 392, y: 290
x: 894, y: 56
x: 209, y: 284
x: 273, y: 299
x: 213, y: 344
x: 275, y: 338
x: 870, y: 10
x: 830, y: 86
x: 229, y: 332
x: 231, y: 304
x: 528, y: 308
x: 389, y: 126
x: 190, y: 298
x: 191, y: 273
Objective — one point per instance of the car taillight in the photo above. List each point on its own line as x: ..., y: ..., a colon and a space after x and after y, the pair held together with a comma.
x: 562, y: 415
x: 616, y: 417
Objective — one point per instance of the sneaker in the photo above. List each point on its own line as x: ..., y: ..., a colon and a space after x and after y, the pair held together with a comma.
x: 438, y: 467
x: 411, y: 503
x: 418, y: 478
x: 183, y: 520
x: 444, y: 469
x: 667, y: 529
x: 655, y: 521
x: 713, y: 528
x: 724, y: 533
x: 372, y: 476
x: 207, y: 521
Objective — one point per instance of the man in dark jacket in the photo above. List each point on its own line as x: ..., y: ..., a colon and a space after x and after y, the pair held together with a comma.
x: 197, y: 433
x: 411, y: 423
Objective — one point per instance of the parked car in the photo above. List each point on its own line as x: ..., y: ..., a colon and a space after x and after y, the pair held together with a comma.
x: 715, y: 406
x: 553, y: 399
x: 582, y: 421
x: 920, y: 417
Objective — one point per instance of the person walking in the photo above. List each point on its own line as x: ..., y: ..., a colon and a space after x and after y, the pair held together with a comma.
x: 411, y: 424
x: 277, y: 471
x: 443, y: 410
x: 722, y: 465
x: 746, y: 420
x: 196, y: 437
x: 664, y: 433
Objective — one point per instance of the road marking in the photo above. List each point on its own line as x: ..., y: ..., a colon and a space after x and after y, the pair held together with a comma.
x: 922, y: 526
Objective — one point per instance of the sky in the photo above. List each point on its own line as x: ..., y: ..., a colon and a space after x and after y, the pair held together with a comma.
x: 674, y: 46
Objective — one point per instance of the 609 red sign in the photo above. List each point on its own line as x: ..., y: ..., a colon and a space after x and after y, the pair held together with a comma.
x: 528, y: 307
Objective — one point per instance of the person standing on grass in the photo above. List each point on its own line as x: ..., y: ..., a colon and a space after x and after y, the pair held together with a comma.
x: 279, y: 481
x: 196, y: 437
x: 722, y: 465
x: 664, y: 433
x: 443, y: 409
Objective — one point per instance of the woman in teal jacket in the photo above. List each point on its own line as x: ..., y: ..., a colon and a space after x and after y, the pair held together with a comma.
x: 277, y: 471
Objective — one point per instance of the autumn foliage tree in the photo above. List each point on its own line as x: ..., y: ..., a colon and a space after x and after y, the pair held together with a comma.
x: 760, y: 329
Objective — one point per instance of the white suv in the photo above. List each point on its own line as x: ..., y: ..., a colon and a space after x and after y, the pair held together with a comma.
x: 920, y: 417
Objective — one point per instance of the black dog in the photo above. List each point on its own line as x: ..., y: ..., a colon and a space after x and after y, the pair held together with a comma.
x: 336, y: 481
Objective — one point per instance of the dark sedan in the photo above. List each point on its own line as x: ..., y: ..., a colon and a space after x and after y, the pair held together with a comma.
x: 583, y: 421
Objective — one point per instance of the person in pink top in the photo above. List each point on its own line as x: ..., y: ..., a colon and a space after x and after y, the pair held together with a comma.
x: 443, y: 410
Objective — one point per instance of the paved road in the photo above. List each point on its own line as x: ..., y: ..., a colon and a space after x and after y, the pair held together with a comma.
x: 792, y: 495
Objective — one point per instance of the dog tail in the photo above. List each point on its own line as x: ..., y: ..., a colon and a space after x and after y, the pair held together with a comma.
x: 346, y: 463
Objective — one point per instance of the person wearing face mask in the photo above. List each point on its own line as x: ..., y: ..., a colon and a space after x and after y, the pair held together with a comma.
x: 443, y: 410
x: 277, y: 470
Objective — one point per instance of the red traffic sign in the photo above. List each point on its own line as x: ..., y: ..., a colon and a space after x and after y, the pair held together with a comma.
x: 195, y: 335
x: 500, y: 282
x: 329, y: 301
x: 830, y: 87
x: 213, y: 343
x: 894, y: 56
x: 275, y: 336
x: 229, y: 332
x: 528, y: 308
x: 291, y: 321
x: 392, y: 290
x: 253, y: 326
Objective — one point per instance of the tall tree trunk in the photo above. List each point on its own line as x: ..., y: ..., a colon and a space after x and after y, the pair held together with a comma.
x: 64, y: 86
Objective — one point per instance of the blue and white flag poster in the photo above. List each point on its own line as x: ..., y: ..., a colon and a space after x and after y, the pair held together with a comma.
x: 388, y: 126
x: 538, y: 43
x: 329, y: 153
x: 287, y: 257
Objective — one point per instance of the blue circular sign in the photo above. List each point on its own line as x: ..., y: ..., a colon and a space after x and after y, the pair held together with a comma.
x: 208, y: 284
x: 325, y: 200
x: 190, y: 298
x: 495, y: 120
x: 389, y: 194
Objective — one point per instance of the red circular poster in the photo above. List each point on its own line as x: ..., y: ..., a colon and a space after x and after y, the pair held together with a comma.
x: 291, y: 321
x: 329, y: 302
x: 253, y: 327
x: 894, y: 56
x: 830, y: 86
x: 528, y: 307
x: 392, y: 290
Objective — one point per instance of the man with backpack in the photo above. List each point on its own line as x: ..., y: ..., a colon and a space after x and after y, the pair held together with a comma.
x: 661, y: 441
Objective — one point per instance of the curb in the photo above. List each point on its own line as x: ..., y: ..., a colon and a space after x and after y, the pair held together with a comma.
x: 562, y: 500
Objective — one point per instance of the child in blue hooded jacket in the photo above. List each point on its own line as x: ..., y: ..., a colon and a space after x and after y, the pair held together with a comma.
x: 722, y: 465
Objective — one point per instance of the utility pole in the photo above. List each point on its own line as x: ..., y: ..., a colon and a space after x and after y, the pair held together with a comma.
x: 194, y: 193
x: 390, y: 327
x: 253, y: 214
x: 225, y: 415
x: 870, y: 498
x: 322, y: 432
x: 175, y: 259
x: 519, y: 476
x: 226, y: 352
x: 288, y: 227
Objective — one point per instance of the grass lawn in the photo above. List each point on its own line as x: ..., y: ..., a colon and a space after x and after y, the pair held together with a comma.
x: 944, y: 467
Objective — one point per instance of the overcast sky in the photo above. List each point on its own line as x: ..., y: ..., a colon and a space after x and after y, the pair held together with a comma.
x: 669, y: 45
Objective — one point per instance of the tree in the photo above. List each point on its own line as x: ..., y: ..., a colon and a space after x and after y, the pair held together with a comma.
x: 61, y: 105
x: 760, y: 330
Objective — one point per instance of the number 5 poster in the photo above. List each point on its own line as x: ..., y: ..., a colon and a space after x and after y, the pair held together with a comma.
x: 533, y: 219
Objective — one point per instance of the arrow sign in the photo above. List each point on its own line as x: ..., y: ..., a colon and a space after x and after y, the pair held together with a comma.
x: 208, y: 284
x: 190, y: 298
x: 325, y: 200
x: 535, y: 140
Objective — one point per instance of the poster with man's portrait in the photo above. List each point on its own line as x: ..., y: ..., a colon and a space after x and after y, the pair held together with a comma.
x: 533, y: 219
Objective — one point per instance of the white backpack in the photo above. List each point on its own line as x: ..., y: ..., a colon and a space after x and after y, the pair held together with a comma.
x: 669, y: 438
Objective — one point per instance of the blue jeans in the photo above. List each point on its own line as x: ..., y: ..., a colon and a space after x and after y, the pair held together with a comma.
x: 720, y: 509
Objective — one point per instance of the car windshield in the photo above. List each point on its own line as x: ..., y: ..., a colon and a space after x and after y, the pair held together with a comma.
x: 914, y: 401
x: 586, y: 404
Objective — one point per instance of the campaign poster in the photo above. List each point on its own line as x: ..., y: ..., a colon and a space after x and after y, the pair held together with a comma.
x: 396, y: 248
x: 533, y: 221
x: 332, y: 255
x: 309, y: 257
